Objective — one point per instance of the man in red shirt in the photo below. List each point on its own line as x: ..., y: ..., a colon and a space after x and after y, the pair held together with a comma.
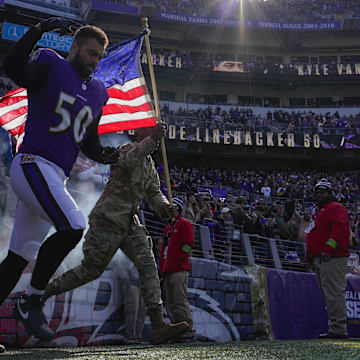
x: 175, y: 267
x: 327, y: 253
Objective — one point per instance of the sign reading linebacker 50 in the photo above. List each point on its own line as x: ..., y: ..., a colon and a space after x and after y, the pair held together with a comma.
x: 247, y: 138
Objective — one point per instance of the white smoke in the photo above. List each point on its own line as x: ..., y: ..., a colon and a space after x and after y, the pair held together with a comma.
x: 114, y: 139
x: 85, y: 201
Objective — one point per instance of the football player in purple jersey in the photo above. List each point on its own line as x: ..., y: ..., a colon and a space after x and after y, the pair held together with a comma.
x: 64, y: 108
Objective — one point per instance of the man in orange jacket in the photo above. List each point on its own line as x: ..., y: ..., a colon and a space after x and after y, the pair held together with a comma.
x: 175, y: 267
x: 327, y: 253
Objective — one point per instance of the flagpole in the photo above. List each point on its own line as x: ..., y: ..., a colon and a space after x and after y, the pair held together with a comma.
x: 145, y: 25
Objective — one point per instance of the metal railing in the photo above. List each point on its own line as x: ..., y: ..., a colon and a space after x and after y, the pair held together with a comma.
x: 230, y: 245
x: 156, y: 227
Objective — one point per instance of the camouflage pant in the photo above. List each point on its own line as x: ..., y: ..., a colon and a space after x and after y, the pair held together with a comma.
x: 102, y: 241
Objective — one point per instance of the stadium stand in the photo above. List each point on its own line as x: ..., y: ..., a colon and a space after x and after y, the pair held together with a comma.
x: 286, y: 10
x: 213, y: 112
x: 58, y: 3
x: 279, y: 120
x: 263, y: 230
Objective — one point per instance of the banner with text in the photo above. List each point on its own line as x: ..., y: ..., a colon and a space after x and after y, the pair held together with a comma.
x: 297, y: 308
x: 286, y: 69
x: 251, y: 24
x: 262, y: 138
x: 50, y: 40
x: 328, y: 69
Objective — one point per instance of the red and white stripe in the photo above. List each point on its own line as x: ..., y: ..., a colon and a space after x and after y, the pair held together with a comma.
x: 129, y: 107
x: 13, y: 112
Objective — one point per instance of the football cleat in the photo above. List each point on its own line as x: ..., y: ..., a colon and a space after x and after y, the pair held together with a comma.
x: 28, y: 309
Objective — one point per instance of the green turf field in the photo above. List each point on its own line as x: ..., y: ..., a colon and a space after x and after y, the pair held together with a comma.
x: 255, y: 350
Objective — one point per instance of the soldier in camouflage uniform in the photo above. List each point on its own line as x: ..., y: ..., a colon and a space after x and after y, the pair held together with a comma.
x: 114, y: 224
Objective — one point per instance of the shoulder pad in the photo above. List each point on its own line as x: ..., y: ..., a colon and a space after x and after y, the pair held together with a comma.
x: 45, y: 56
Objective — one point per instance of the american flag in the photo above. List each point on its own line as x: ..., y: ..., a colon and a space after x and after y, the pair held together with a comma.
x: 129, y: 105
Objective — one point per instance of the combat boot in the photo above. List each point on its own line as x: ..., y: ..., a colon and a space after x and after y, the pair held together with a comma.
x: 161, y: 331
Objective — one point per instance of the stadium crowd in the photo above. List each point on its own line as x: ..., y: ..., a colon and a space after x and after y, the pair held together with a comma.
x: 271, y: 10
x: 306, y: 121
x: 264, y: 195
x: 264, y: 204
x: 306, y: 10
x: 61, y: 3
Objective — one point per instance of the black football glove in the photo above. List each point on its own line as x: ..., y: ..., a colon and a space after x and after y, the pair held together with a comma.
x: 110, y: 155
x: 65, y: 26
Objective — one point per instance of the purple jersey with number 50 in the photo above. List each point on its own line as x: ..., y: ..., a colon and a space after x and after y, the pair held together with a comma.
x: 61, y: 111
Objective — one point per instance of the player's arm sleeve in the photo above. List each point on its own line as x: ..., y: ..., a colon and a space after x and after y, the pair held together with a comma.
x: 91, y: 146
x: 17, y: 66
